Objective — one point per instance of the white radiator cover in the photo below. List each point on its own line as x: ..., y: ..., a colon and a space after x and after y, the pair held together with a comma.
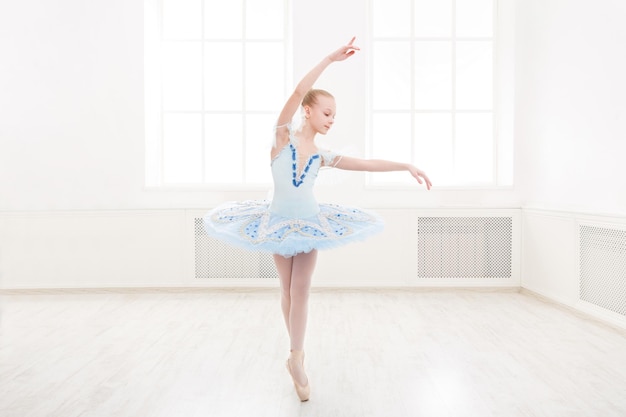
x: 215, y: 259
x: 577, y: 259
x: 465, y: 247
x: 603, y: 267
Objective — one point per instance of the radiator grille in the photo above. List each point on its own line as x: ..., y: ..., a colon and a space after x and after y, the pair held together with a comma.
x: 465, y: 247
x: 215, y: 259
x: 603, y: 267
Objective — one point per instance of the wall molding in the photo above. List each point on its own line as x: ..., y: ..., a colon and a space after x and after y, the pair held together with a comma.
x: 155, y: 248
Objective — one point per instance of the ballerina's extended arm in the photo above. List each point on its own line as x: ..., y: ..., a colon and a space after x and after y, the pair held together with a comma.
x: 380, y: 165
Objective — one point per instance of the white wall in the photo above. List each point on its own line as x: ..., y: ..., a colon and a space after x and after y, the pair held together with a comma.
x: 71, y: 131
x: 71, y: 104
x: 570, y: 118
x: 570, y: 104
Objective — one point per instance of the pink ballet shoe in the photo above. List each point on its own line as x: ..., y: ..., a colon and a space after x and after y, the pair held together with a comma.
x: 303, y: 391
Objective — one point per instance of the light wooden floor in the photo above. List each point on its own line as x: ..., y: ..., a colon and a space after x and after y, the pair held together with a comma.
x: 369, y: 353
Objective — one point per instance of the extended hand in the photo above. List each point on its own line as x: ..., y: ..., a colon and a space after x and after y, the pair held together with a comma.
x: 344, y: 52
x: 420, y: 176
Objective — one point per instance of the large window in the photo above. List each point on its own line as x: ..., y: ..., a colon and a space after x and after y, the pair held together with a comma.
x: 432, y: 90
x: 216, y: 73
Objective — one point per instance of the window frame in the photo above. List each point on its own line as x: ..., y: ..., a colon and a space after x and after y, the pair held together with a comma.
x: 501, y: 109
x: 154, y: 111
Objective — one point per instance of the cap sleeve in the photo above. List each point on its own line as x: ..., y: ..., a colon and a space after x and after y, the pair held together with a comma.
x: 328, y: 157
x: 274, y: 138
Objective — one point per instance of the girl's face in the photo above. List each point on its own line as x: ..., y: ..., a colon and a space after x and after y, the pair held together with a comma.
x: 321, y: 115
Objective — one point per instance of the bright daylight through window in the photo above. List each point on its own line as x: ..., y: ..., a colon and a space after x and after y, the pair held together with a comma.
x: 432, y: 89
x: 218, y: 71
x: 215, y: 75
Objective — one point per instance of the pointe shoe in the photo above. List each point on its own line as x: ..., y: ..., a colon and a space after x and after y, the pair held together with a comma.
x: 303, y: 391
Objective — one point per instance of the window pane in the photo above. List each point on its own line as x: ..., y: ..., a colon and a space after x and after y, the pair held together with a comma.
x: 182, y: 19
x: 223, y: 19
x: 223, y: 148
x: 259, y: 130
x: 223, y: 76
x: 433, y: 75
x: 391, y: 139
x: 391, y: 83
x: 474, y: 18
x: 265, y: 76
x: 474, y: 148
x: 433, y: 146
x: 182, y: 148
x: 474, y: 77
x: 182, y: 75
x: 264, y: 19
x: 391, y: 18
x: 433, y: 18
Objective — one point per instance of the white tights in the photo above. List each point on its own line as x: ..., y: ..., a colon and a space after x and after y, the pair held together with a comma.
x: 295, y: 275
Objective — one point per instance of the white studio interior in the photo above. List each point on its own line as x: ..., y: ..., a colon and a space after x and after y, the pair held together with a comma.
x: 107, y: 170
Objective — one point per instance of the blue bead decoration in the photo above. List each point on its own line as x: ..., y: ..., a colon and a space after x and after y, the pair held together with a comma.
x: 295, y: 181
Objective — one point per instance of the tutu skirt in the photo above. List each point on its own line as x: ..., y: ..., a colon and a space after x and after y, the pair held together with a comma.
x: 251, y: 225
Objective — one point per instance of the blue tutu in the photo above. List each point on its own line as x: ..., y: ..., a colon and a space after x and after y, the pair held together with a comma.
x: 251, y: 225
x: 292, y: 222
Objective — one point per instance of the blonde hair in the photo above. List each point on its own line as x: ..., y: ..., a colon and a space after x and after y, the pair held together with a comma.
x: 311, y: 97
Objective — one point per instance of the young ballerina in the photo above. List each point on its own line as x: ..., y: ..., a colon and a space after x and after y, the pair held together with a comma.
x: 293, y: 226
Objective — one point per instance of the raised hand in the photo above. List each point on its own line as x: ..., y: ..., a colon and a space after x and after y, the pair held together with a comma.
x: 344, y: 52
x: 305, y: 84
